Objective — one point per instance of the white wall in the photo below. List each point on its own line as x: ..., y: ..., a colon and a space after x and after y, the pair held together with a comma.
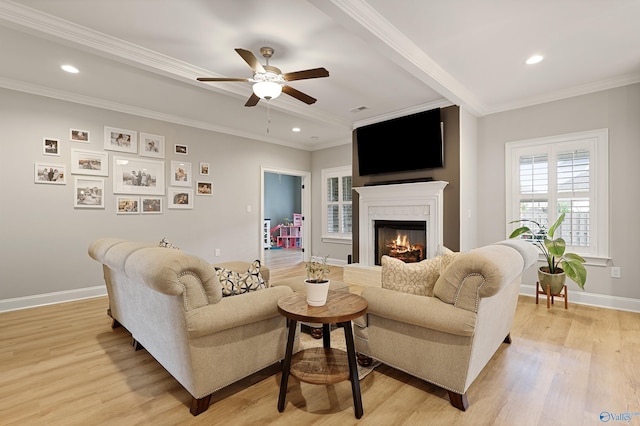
x: 619, y: 111
x: 45, y: 239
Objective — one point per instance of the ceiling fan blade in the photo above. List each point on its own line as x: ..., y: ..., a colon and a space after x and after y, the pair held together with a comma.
x: 298, y: 95
x: 253, y: 100
x: 301, y: 75
x: 221, y: 79
x: 251, y: 59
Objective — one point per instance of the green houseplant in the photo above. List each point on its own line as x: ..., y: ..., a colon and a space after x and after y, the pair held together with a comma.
x: 558, y: 262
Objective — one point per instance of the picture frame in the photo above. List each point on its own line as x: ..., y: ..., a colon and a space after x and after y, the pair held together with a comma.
x: 151, y: 145
x: 51, y: 146
x: 204, y: 169
x: 151, y: 205
x: 204, y: 188
x: 138, y: 176
x: 180, y: 198
x: 84, y: 162
x: 88, y: 192
x: 127, y: 205
x: 48, y: 173
x: 121, y: 140
x: 181, y: 174
x: 78, y: 135
x: 180, y: 149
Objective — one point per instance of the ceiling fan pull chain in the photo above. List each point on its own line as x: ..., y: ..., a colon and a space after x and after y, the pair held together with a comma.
x: 268, y: 116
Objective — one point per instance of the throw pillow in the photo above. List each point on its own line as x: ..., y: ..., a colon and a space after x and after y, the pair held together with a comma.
x: 446, y: 257
x: 234, y: 283
x: 166, y: 243
x: 414, y: 278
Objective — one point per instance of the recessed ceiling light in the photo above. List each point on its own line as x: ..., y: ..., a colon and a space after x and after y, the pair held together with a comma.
x: 295, y: 129
x: 534, y: 59
x: 70, y: 68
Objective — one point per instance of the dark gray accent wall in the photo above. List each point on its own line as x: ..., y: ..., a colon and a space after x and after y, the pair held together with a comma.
x: 449, y: 173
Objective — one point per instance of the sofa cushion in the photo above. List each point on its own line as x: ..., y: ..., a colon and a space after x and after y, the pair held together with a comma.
x: 234, y: 283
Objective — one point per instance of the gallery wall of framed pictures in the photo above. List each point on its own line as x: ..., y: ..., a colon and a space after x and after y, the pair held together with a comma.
x: 136, y: 168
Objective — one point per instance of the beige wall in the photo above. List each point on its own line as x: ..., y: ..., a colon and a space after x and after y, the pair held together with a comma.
x: 45, y: 239
x: 617, y: 110
x: 322, y: 159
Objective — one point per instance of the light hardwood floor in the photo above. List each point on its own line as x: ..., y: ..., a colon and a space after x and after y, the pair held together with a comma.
x: 64, y: 365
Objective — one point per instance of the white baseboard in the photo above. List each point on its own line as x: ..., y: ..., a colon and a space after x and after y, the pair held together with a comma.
x: 583, y: 298
x: 51, y: 298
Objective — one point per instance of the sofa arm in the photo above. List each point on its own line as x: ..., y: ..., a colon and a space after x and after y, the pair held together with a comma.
x: 423, y: 311
x: 235, y: 311
x: 482, y: 272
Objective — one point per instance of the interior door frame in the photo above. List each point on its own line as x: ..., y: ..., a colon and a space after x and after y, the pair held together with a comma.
x: 306, y: 207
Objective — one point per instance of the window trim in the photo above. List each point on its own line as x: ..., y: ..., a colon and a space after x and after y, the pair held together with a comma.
x: 600, y: 173
x: 339, y: 238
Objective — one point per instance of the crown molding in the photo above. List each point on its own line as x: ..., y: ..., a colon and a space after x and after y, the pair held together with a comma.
x: 141, y: 112
x: 571, y: 92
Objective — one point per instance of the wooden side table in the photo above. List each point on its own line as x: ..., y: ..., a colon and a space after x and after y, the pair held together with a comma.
x: 563, y: 293
x: 326, y: 365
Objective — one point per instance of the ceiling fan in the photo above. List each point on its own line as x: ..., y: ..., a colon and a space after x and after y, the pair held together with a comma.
x: 269, y: 82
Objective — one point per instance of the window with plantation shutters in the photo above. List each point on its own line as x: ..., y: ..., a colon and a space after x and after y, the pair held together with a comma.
x: 562, y: 174
x: 336, y: 203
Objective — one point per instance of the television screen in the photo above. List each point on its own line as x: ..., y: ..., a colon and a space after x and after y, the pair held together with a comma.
x: 413, y: 142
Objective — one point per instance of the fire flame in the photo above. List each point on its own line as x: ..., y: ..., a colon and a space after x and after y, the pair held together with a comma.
x: 402, y: 248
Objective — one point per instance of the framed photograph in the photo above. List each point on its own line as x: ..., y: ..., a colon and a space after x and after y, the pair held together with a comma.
x: 94, y: 163
x: 180, y: 149
x: 50, y: 146
x: 151, y: 145
x: 128, y: 205
x: 120, y: 140
x: 137, y: 176
x: 181, y: 173
x: 151, y: 205
x: 50, y: 173
x: 77, y: 135
x: 88, y: 192
x: 205, y: 188
x: 180, y: 198
x: 204, y: 169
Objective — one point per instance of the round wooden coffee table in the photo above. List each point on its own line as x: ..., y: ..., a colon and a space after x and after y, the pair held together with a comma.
x: 326, y: 365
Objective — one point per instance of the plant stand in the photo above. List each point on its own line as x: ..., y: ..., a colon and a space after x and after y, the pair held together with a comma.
x: 563, y: 293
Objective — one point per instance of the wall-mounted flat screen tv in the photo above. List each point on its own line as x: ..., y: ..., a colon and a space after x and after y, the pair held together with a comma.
x: 413, y: 142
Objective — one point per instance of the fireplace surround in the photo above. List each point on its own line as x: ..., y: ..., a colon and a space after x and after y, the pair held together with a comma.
x: 420, y: 201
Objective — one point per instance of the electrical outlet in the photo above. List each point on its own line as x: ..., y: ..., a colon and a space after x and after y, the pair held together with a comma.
x: 615, y: 272
x: 217, y: 252
x: 248, y: 208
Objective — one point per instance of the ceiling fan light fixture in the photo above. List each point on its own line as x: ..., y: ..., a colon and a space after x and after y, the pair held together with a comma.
x: 267, y: 89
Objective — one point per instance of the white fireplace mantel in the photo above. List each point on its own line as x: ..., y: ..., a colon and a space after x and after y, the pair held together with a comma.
x: 421, y: 201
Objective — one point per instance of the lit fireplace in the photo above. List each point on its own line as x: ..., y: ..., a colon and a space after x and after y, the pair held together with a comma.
x: 405, y: 203
x: 403, y: 240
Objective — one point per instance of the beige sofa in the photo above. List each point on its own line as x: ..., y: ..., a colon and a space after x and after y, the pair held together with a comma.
x: 172, y: 305
x: 447, y: 339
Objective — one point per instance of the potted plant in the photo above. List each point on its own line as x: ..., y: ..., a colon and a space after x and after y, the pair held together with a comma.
x: 317, y: 284
x: 559, y: 264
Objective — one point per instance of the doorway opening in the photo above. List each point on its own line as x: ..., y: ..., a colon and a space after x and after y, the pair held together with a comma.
x: 285, y: 220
